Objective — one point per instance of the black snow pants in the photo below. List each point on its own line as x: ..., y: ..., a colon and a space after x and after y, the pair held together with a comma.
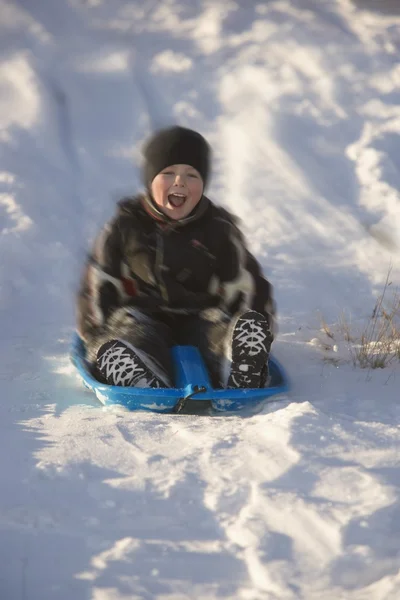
x: 155, y: 334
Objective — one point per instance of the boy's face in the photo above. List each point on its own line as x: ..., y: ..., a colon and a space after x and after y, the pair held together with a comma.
x: 177, y: 190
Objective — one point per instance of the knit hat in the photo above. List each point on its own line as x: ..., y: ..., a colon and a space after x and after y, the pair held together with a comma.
x: 173, y: 146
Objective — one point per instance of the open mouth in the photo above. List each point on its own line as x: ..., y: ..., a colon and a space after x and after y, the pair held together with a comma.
x: 176, y: 200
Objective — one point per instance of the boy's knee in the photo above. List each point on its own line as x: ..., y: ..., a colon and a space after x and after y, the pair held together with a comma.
x: 214, y: 315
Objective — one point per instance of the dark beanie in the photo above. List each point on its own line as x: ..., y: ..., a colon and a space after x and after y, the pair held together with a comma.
x: 174, y: 146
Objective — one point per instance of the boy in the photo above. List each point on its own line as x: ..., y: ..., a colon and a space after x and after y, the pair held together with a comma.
x: 172, y: 268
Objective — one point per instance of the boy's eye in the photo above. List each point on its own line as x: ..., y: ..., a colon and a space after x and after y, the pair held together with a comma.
x: 173, y: 174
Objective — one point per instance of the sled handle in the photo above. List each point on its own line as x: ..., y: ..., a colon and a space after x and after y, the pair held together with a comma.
x: 189, y: 368
x: 192, y: 391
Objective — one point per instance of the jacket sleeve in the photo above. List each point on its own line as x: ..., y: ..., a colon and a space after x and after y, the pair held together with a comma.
x: 242, y: 283
x: 101, y: 290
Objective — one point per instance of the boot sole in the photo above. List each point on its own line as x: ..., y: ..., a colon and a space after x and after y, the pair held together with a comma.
x: 248, y: 365
x: 120, y: 376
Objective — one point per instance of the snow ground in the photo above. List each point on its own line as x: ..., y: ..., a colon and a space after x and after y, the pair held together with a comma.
x: 301, y: 103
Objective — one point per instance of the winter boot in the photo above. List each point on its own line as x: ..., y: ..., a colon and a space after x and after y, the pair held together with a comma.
x: 250, y: 344
x: 120, y: 364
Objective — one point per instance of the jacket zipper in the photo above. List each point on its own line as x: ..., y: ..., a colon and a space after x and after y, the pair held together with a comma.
x: 159, y: 266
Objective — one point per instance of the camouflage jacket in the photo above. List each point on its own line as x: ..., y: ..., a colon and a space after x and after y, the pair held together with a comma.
x: 143, y: 259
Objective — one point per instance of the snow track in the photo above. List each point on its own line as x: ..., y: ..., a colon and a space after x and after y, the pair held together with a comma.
x: 285, y: 504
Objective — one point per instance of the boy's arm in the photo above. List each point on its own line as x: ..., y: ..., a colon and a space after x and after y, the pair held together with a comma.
x: 243, y: 285
x: 101, y: 288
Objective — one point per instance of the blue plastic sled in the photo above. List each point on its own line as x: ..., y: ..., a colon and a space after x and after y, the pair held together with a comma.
x: 192, y: 383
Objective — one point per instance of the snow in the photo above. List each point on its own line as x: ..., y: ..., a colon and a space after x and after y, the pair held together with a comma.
x: 300, y: 101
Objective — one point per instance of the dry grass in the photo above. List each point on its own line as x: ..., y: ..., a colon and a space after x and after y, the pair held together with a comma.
x: 379, y: 343
x: 375, y: 346
x: 326, y: 329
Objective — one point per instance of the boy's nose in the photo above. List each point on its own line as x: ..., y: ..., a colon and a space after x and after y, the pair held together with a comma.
x: 179, y: 180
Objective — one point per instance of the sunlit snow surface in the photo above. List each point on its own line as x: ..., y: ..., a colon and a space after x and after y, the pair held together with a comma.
x: 300, y: 100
